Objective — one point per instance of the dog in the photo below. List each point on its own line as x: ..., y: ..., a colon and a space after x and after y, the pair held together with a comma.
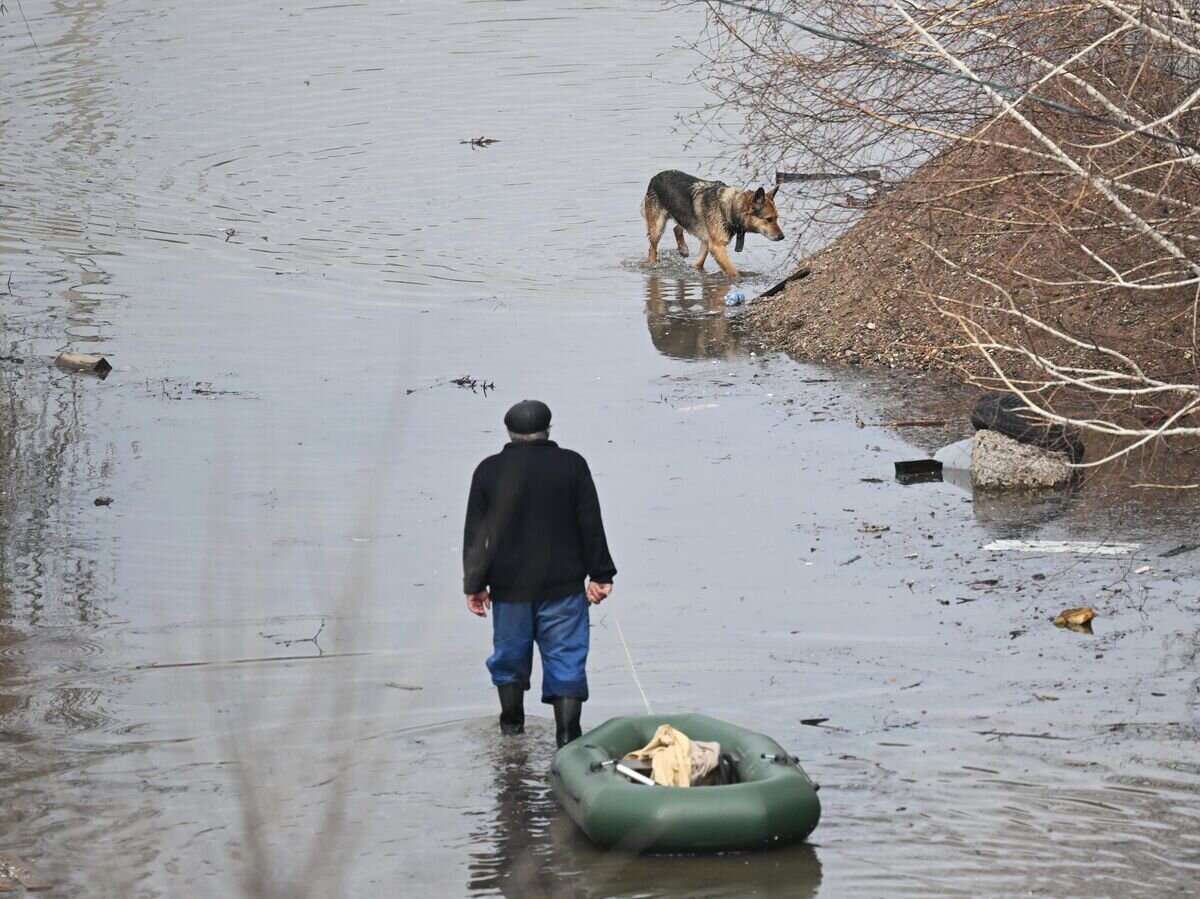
x: 710, y: 211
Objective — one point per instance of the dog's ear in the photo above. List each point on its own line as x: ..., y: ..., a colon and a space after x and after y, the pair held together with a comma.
x: 758, y: 196
x: 773, y: 192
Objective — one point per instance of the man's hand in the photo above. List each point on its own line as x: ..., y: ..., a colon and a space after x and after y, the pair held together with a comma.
x: 479, y: 603
x: 597, y: 593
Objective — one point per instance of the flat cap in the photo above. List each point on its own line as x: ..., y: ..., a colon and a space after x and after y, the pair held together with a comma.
x: 527, y: 417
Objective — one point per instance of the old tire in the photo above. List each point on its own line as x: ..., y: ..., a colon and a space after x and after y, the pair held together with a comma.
x: 1005, y: 413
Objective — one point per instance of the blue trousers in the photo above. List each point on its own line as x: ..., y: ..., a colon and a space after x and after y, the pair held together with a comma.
x: 561, y: 629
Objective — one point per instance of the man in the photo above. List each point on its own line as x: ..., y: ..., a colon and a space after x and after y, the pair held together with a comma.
x: 533, y: 533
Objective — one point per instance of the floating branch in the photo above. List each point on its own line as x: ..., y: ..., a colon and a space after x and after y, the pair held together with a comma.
x: 480, y: 142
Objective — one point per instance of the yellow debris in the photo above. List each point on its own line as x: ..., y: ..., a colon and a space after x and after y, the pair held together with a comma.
x: 1076, y: 617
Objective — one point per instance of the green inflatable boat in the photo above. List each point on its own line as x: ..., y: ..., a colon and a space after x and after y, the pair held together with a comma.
x: 773, y: 802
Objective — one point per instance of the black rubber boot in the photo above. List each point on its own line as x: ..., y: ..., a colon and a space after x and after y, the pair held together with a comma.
x: 512, y: 709
x: 567, y: 710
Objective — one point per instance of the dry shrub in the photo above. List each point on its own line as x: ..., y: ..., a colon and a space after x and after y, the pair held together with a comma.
x: 1046, y: 202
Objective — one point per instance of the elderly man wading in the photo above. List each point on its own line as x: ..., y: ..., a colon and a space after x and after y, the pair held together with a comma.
x: 533, y: 534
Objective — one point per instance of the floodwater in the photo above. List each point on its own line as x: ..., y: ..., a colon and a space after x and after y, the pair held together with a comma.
x: 253, y: 673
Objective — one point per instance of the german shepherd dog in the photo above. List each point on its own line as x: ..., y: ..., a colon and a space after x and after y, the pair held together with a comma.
x: 711, y: 211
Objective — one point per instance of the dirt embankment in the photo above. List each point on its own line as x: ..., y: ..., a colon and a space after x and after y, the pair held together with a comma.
x: 878, y: 295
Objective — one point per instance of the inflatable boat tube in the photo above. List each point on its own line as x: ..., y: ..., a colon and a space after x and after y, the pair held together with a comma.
x: 773, y: 804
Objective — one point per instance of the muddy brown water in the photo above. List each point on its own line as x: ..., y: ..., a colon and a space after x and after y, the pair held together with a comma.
x: 264, y: 217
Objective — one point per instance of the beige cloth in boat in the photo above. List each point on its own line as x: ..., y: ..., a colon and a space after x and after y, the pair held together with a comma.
x: 704, y: 756
x: 676, y: 761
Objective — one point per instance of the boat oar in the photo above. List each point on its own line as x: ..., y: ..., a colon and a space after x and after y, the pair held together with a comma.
x: 624, y: 769
x: 640, y: 778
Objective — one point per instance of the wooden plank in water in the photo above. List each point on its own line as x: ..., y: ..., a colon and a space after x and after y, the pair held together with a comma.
x: 84, y: 362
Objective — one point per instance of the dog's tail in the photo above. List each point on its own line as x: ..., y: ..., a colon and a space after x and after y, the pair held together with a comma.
x: 651, y: 206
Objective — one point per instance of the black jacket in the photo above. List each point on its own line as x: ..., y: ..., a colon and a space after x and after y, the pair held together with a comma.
x: 533, y: 526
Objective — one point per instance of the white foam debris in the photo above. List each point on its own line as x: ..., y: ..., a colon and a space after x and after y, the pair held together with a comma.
x: 1096, y: 547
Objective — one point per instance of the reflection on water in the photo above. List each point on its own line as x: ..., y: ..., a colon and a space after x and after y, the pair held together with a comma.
x: 791, y: 873
x: 514, y: 840
x: 53, y: 582
x: 54, y: 570
x: 9, y: 638
x: 42, y: 421
x: 1022, y: 513
x: 687, y: 318
x: 530, y: 849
